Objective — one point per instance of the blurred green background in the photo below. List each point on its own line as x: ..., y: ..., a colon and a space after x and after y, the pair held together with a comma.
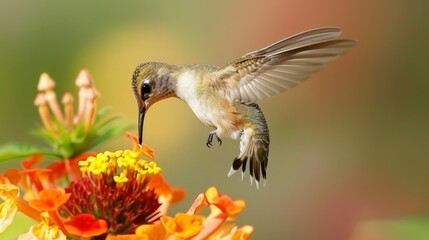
x: 349, y: 152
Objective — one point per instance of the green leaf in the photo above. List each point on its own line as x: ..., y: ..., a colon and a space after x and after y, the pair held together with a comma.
x: 43, y: 134
x: 101, y: 114
x: 112, y: 130
x: 100, y: 124
x: 21, y: 150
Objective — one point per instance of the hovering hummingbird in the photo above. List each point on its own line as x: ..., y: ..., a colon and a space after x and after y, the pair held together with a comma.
x: 225, y: 98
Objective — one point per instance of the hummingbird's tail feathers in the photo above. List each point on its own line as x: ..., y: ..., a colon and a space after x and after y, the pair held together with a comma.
x: 257, y: 157
x: 255, y: 152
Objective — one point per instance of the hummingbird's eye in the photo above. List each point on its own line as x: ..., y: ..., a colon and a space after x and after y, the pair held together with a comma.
x: 145, y: 90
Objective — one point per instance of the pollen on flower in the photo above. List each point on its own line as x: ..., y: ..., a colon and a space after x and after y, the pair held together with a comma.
x: 126, y: 162
x: 144, y: 167
x: 120, y: 165
x: 98, y: 166
x: 121, y: 178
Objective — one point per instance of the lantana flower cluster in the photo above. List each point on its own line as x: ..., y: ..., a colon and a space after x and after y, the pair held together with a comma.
x: 73, y: 193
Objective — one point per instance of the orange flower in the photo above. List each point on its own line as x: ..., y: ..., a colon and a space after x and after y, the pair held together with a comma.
x: 183, y: 225
x: 224, y: 203
x: 86, y: 226
x: 49, y: 200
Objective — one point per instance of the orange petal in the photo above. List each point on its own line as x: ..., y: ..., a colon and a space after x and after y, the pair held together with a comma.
x: 33, y: 171
x: 224, y: 203
x: 61, y: 168
x: 183, y: 225
x: 152, y: 231
x: 35, y: 178
x: 26, y: 209
x: 74, y: 162
x: 86, y: 225
x: 161, y: 187
x: 49, y: 200
x: 148, y: 151
x: 32, y: 161
x: 133, y: 138
x: 199, y: 203
x: 145, y: 149
x: 58, y: 169
x: 12, y: 175
x: 143, y: 232
x: 3, y: 179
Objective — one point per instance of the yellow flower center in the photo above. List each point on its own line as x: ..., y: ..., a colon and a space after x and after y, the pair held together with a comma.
x: 120, y: 165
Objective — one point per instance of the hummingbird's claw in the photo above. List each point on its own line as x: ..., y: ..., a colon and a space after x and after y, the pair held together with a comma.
x: 210, y: 139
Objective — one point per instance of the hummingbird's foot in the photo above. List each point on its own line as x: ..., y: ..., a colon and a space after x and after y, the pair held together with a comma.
x: 210, y: 139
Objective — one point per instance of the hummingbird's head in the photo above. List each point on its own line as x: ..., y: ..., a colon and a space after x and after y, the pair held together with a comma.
x: 151, y: 82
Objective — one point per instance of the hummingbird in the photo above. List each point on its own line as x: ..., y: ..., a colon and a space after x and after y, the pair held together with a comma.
x: 225, y: 98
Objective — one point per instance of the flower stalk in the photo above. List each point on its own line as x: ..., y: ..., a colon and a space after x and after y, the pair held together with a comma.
x: 44, y: 114
x: 67, y: 101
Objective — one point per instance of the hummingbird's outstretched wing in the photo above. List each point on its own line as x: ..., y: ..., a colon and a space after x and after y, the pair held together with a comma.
x: 283, y: 65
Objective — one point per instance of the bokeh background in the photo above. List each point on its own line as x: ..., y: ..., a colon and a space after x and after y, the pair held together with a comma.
x: 349, y: 152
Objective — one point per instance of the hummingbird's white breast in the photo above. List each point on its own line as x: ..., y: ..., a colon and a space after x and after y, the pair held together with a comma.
x: 187, y: 90
x: 213, y: 108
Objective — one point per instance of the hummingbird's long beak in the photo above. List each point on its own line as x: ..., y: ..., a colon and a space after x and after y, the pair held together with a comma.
x: 140, y: 126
